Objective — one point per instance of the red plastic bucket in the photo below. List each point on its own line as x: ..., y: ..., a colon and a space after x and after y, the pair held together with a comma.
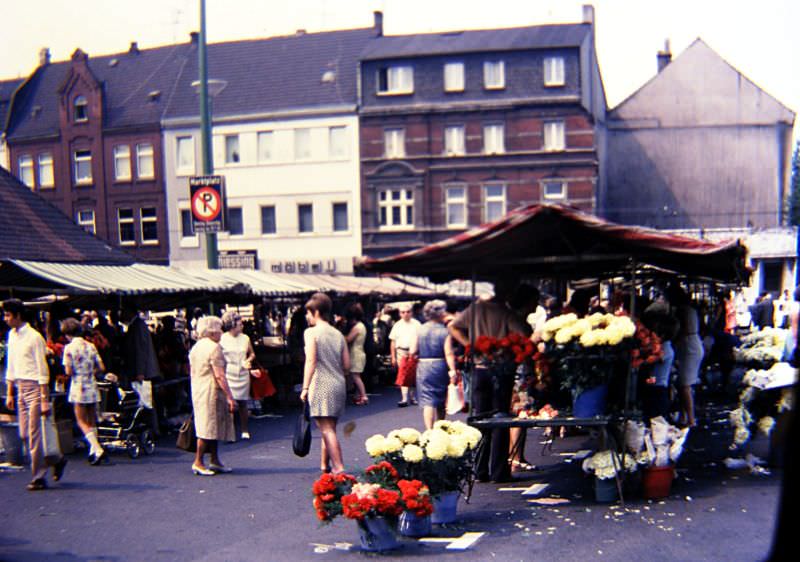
x: 656, y: 482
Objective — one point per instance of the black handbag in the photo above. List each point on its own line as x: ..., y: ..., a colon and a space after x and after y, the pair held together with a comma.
x: 301, y: 443
x: 187, y: 438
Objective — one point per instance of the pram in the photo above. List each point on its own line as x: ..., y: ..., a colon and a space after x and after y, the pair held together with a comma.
x: 123, y: 422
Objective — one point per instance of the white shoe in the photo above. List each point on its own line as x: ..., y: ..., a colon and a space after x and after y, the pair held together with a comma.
x: 202, y: 471
x: 245, y: 436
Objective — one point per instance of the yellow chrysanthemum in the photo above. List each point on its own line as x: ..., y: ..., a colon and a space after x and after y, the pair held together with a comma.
x: 375, y: 445
x: 409, y: 435
x: 457, y: 446
x: 413, y: 453
x: 392, y: 445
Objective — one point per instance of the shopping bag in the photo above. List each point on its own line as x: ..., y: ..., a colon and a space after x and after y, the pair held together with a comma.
x: 301, y: 443
x: 52, y: 449
x: 187, y: 438
x: 261, y: 384
x: 144, y: 390
x: 455, y: 399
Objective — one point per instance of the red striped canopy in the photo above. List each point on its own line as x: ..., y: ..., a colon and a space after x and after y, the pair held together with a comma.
x: 556, y: 241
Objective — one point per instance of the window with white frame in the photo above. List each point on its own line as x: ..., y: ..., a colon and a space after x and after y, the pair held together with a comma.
x: 554, y: 137
x: 494, y: 202
x: 396, y: 208
x: 337, y: 142
x: 268, y: 225
x: 456, y: 206
x: 86, y: 221
x: 305, y: 218
x: 494, y: 75
x: 396, y: 80
x: 341, y: 221
x: 266, y: 149
x: 126, y: 227
x: 148, y: 222
x: 145, y: 168
x: 554, y: 71
x: 83, y: 166
x: 454, y: 77
x: 80, y: 109
x: 394, y: 143
x: 302, y: 144
x: 184, y: 155
x: 235, y: 222
x: 494, y: 138
x: 554, y: 189
x: 231, y: 149
x: 46, y: 174
x: 187, y: 224
x: 454, y: 143
x: 122, y: 162
x: 25, y: 167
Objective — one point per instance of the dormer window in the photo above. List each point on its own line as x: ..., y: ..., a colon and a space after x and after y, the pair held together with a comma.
x: 396, y: 80
x: 80, y: 109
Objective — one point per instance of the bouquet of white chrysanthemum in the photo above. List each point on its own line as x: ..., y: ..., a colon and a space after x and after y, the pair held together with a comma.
x: 607, y: 464
x: 762, y: 348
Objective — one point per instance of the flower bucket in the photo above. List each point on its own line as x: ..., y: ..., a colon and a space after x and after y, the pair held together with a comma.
x: 605, y: 490
x: 412, y: 525
x: 656, y: 482
x: 377, y: 535
x: 444, y: 508
x: 11, y: 442
x: 591, y: 402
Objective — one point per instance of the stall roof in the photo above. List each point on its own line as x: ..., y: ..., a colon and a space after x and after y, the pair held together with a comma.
x: 556, y: 241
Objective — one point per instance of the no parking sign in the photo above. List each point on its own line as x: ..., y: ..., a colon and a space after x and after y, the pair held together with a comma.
x: 208, y: 203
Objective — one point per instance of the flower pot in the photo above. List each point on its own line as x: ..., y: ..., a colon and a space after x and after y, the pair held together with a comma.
x: 11, y: 442
x: 656, y: 482
x: 412, y: 525
x: 444, y: 508
x: 591, y: 402
x: 377, y: 534
x: 605, y: 490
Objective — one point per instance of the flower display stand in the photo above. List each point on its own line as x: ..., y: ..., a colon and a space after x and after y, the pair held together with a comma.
x: 591, y: 402
x: 605, y: 490
x: 444, y: 508
x: 377, y: 534
x: 412, y: 525
x: 657, y: 481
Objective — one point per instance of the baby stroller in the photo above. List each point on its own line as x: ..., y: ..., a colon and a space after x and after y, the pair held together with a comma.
x: 123, y: 421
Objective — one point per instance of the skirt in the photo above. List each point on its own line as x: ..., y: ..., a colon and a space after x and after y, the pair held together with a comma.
x: 406, y: 371
x: 432, y: 380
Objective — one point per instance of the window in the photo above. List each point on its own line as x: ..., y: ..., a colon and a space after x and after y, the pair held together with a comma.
x: 396, y: 80
x: 83, y: 166
x: 80, y: 109
x: 26, y: 169
x: 231, y: 149
x: 456, y: 206
x: 337, y: 142
x: 454, y: 140
x: 46, y: 176
x: 396, y: 208
x: 454, y: 77
x: 302, y: 144
x: 554, y: 189
x: 144, y: 161
x: 235, y: 221
x: 394, y: 143
x: 494, y: 139
x: 494, y: 202
x: 265, y: 146
x: 148, y: 221
x: 86, y: 220
x: 340, y: 218
x: 127, y: 231
x: 122, y: 163
x: 268, y: 225
x: 554, y: 135
x: 184, y: 155
x: 494, y: 75
x: 305, y: 218
x: 554, y: 71
x: 187, y: 226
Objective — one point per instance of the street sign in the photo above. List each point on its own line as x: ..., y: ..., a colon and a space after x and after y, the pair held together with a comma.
x: 207, y: 203
x: 238, y: 259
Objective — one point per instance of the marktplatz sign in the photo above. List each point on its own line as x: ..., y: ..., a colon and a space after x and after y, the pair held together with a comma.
x: 208, y: 203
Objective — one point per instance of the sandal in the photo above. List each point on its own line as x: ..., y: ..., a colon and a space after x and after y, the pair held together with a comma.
x: 362, y: 401
x: 522, y: 466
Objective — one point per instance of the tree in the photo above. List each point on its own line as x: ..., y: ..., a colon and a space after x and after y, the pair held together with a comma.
x: 794, y: 192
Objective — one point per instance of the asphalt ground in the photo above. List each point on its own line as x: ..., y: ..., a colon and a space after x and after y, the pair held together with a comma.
x: 154, y: 509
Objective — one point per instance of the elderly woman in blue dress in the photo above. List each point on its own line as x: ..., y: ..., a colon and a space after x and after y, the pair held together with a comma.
x: 437, y: 363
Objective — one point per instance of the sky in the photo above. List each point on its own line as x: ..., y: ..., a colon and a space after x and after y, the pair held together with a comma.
x: 758, y: 37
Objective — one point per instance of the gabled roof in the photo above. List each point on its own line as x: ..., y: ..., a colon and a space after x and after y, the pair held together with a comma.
x: 33, y: 229
x: 484, y: 40
x: 7, y: 88
x: 700, y: 88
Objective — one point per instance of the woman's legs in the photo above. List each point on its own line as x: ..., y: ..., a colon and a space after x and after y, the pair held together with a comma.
x: 244, y: 416
x: 359, y: 384
x: 330, y: 443
x: 432, y: 414
x: 85, y: 416
x: 687, y: 406
x: 203, y: 447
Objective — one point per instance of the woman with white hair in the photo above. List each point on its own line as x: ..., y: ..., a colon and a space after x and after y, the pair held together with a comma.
x: 437, y: 363
x: 212, y: 400
x: 239, y: 355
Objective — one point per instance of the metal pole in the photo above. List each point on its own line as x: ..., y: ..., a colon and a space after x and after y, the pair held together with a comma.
x: 212, y: 260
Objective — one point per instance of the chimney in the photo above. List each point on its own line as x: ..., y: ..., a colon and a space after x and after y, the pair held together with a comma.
x: 588, y: 14
x: 378, y: 25
x: 664, y: 57
x: 44, y: 56
x: 300, y: 32
x: 134, y: 49
x: 194, y: 37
